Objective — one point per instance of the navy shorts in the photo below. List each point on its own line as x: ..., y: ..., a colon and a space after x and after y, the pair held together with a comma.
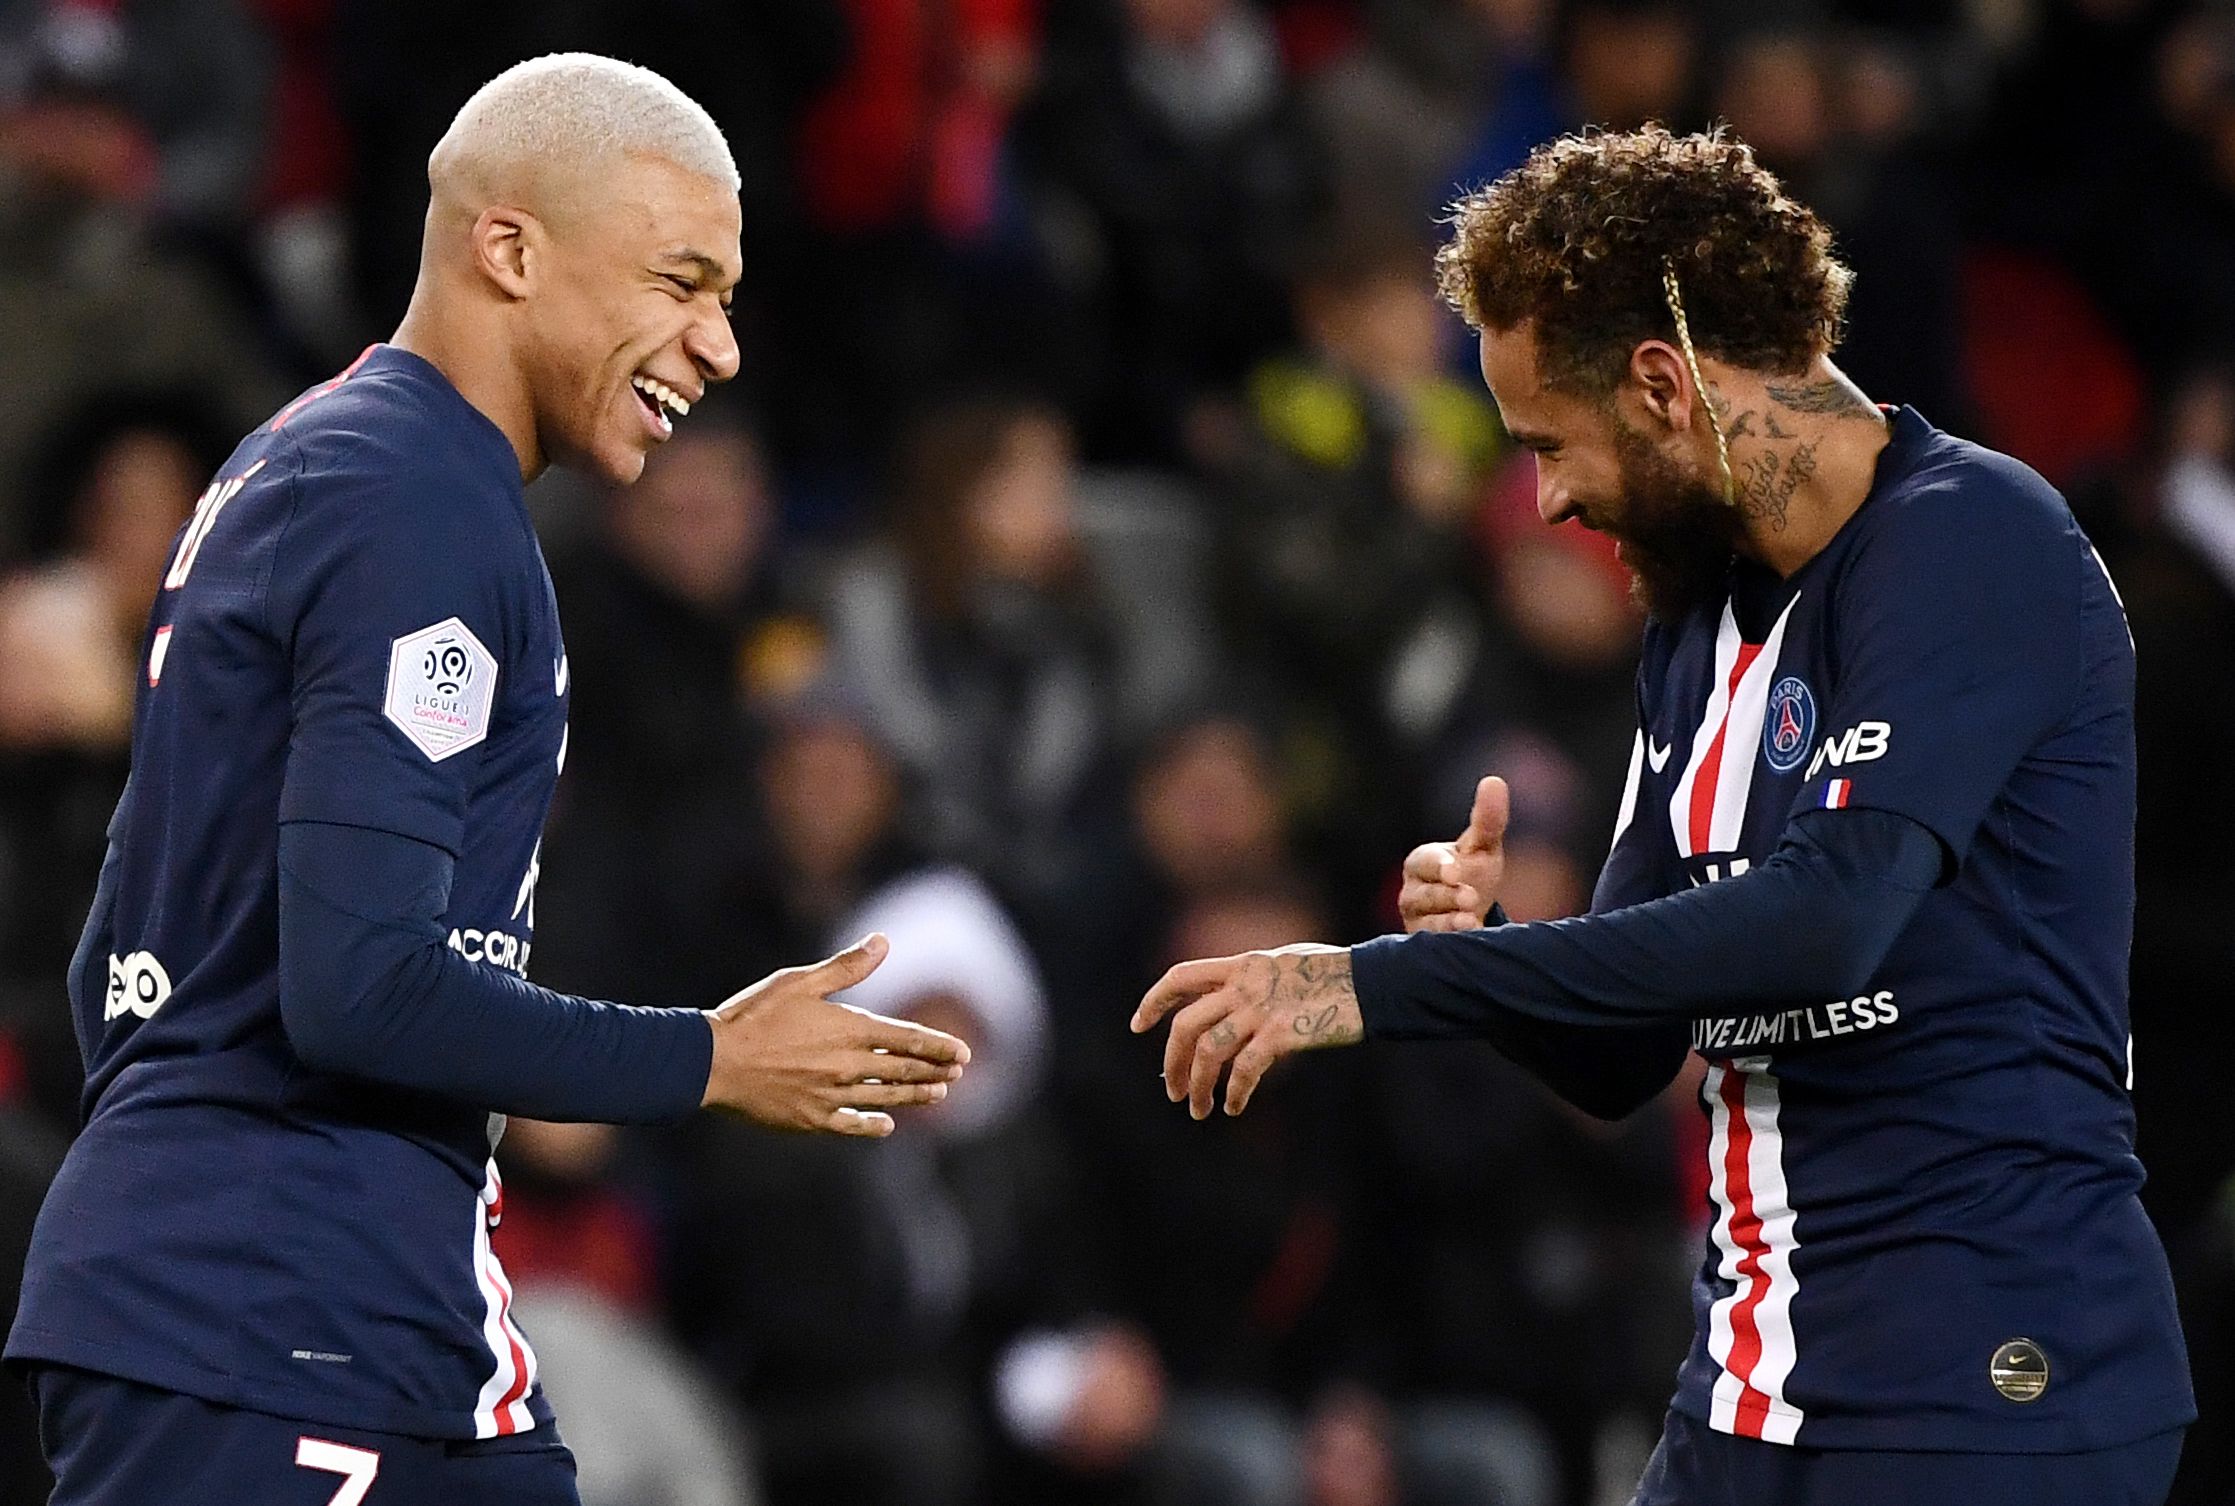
x: 1697, y: 1466
x: 111, y: 1442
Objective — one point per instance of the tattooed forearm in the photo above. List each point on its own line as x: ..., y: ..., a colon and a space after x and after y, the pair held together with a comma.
x: 1818, y: 397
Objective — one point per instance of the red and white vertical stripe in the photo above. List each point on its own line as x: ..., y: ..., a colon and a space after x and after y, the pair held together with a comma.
x: 1708, y: 808
x: 503, y: 1405
x: 1750, y: 1332
x: 157, y: 652
x: 1837, y: 793
x: 1630, y: 787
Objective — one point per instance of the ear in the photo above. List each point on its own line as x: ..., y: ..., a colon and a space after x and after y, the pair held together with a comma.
x: 1663, y: 382
x: 508, y: 249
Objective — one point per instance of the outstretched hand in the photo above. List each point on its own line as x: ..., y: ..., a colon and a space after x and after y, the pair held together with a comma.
x: 1450, y: 886
x: 1248, y: 1011
x: 788, y: 1056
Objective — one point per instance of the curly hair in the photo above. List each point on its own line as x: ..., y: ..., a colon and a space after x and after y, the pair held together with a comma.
x: 1579, y: 240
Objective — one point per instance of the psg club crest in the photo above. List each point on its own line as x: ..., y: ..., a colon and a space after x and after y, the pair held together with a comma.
x: 1789, y: 728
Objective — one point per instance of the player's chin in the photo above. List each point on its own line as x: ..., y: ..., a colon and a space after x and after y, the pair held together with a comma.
x: 619, y: 459
x: 624, y: 468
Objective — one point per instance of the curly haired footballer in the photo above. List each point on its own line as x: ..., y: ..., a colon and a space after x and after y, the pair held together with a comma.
x: 1884, y: 756
x: 1579, y: 238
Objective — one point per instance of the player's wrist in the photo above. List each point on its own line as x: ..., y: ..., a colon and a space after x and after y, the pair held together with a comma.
x: 712, y: 1092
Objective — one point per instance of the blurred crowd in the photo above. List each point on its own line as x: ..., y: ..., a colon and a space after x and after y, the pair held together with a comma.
x: 1107, y: 556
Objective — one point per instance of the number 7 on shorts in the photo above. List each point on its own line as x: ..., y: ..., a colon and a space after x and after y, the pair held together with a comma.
x: 357, y: 1466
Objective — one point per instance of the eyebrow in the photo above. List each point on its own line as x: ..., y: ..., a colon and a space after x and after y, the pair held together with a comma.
x: 1529, y: 440
x: 708, y: 268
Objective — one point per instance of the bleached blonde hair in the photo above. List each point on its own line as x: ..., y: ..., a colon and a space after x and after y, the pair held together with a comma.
x: 578, y: 104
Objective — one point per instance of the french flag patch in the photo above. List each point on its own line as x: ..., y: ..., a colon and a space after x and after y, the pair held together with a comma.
x: 1836, y: 794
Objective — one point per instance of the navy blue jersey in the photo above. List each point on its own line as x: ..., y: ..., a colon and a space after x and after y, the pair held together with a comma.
x: 1925, y: 1230
x: 357, y: 628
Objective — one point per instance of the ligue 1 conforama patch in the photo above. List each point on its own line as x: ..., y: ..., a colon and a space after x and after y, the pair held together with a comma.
x: 441, y: 684
x: 1789, y: 724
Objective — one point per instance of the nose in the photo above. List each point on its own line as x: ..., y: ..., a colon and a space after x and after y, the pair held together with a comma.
x: 1552, y: 498
x: 712, y: 345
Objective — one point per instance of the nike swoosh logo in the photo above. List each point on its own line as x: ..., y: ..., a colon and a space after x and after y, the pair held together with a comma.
x: 1657, y: 754
x: 559, y: 675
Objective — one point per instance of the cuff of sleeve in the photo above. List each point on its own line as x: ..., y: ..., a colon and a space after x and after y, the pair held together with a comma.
x: 690, y: 1059
x: 1377, y: 969
x: 1381, y: 972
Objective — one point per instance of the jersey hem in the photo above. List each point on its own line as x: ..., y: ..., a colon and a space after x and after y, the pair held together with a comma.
x: 1899, y: 1435
x: 29, y: 1346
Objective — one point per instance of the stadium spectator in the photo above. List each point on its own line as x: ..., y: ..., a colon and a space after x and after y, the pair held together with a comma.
x: 976, y: 633
x: 126, y: 131
x: 1480, y: 1181
x: 156, y: 104
x: 1347, y: 537
x: 1835, y: 120
x: 676, y: 616
x: 1282, y: 1392
x: 1552, y: 687
x: 109, y: 492
x: 1168, y: 138
x: 2170, y: 553
x: 1207, y: 803
x: 1433, y: 83
x: 1621, y: 63
x: 789, y: 1266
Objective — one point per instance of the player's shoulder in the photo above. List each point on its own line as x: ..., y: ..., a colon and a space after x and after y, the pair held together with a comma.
x: 1945, y: 499
x: 398, y: 487
x: 390, y: 442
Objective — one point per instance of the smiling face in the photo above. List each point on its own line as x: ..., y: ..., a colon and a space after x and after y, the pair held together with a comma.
x: 629, y: 319
x: 1603, y: 464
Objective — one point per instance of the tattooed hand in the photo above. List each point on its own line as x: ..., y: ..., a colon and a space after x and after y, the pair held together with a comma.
x: 1250, y: 1011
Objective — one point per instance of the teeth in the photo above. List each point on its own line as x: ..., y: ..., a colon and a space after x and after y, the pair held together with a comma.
x: 664, y: 394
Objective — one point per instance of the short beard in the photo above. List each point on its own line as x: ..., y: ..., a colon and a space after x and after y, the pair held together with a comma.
x: 1678, y: 535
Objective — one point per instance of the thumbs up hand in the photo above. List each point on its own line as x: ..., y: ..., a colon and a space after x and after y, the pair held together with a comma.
x: 1450, y: 886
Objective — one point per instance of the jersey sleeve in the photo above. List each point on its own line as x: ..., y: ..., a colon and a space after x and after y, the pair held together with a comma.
x: 1838, y: 891
x: 394, y: 619
x: 1606, y: 1069
x: 368, y: 987
x: 1956, y: 635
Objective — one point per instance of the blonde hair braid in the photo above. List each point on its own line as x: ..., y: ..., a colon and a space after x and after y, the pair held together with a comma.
x: 1692, y: 360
